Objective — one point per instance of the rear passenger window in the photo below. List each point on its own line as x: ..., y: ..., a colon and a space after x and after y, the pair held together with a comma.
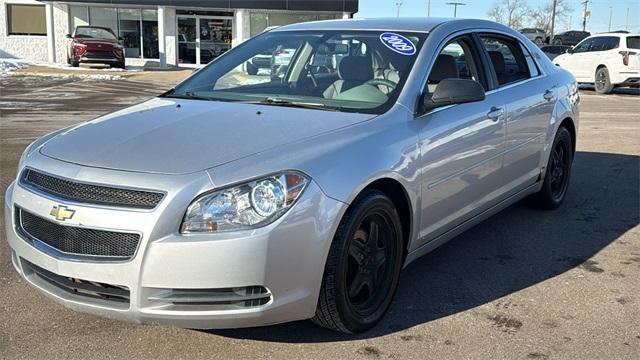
x: 509, y: 63
x: 604, y: 43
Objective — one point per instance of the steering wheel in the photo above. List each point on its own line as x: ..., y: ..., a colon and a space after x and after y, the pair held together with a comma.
x: 384, y: 82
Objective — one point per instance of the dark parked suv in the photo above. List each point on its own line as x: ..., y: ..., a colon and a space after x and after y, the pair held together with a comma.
x: 572, y: 37
x: 95, y: 44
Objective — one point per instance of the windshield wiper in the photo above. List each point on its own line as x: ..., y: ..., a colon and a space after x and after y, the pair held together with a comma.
x: 288, y: 103
x: 188, y: 95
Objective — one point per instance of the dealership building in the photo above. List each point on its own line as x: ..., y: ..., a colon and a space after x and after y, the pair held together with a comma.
x: 162, y: 33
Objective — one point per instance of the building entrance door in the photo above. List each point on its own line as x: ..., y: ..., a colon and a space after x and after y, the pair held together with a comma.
x: 203, y: 38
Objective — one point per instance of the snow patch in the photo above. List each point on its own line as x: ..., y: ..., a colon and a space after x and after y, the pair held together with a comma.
x: 8, y: 66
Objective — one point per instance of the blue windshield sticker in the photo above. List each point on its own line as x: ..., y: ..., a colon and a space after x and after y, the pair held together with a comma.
x: 398, y: 43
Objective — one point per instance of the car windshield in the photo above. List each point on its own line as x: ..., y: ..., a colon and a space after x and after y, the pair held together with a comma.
x: 633, y: 42
x: 352, y: 71
x: 94, y: 33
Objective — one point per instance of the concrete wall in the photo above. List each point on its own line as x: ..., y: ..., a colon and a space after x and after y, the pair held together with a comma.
x: 60, y: 31
x: 20, y: 46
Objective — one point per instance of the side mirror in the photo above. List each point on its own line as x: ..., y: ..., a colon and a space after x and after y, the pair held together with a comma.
x: 453, y: 91
x: 570, y: 50
x: 68, y: 36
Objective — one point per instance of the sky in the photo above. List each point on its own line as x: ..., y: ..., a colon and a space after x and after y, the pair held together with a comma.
x: 599, y: 21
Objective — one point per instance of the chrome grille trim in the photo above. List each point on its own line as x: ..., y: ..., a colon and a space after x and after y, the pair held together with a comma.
x: 85, y: 193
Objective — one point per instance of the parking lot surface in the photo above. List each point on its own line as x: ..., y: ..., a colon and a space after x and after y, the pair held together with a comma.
x: 525, y: 284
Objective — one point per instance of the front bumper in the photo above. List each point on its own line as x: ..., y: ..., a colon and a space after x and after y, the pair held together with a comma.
x: 286, y: 257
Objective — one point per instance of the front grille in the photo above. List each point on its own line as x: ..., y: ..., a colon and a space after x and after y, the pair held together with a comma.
x: 108, y: 245
x: 98, y: 54
x: 78, y: 287
x: 91, y: 194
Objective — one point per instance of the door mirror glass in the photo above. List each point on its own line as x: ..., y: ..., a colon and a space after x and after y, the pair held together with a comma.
x: 453, y: 91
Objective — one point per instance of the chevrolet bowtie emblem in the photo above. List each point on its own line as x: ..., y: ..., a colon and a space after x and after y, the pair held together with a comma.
x: 62, y: 213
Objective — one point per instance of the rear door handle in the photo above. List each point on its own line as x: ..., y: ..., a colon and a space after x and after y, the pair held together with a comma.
x: 548, y: 95
x: 495, y: 113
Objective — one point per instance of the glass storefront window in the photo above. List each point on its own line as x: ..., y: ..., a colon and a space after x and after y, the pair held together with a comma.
x: 150, y: 33
x: 107, y: 17
x: 187, y: 34
x: 258, y: 22
x: 137, y: 28
x: 78, y: 16
x: 129, y: 31
x: 215, y: 38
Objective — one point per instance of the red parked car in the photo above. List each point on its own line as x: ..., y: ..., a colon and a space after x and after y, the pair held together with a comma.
x: 95, y: 44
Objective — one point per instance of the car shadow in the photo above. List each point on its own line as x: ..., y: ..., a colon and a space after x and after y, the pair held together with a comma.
x: 616, y: 91
x: 515, y: 249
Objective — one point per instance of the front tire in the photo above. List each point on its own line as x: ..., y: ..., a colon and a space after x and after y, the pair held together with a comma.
x: 363, y: 266
x: 557, y: 41
x: 558, y: 173
x: 538, y: 41
x: 603, y: 83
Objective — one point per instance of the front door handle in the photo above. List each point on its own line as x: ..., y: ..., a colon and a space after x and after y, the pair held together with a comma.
x: 548, y: 95
x: 495, y: 113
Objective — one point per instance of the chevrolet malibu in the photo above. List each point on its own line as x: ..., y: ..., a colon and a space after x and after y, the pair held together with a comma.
x: 237, y: 199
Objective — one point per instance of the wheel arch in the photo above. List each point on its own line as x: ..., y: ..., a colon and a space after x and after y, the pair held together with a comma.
x: 397, y: 193
x: 568, y: 123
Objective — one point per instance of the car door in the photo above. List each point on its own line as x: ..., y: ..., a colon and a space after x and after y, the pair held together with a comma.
x: 601, y: 52
x: 461, y: 145
x: 575, y: 61
x: 529, y: 100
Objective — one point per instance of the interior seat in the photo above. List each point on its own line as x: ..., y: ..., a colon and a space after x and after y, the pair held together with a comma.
x: 497, y: 59
x: 445, y: 67
x: 352, y: 71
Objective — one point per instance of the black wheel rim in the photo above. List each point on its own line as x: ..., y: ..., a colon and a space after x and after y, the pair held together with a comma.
x: 601, y: 80
x: 559, y: 170
x: 370, y: 263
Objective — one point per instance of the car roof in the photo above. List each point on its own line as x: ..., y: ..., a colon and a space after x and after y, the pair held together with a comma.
x: 386, y: 24
x: 612, y: 34
x: 94, y: 27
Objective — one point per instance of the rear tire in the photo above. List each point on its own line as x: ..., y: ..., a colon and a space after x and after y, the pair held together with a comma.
x: 558, y: 173
x: 603, y: 83
x: 363, y: 266
x: 538, y: 41
x: 75, y: 63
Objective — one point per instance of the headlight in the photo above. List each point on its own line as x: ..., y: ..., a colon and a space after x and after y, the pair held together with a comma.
x: 246, y: 206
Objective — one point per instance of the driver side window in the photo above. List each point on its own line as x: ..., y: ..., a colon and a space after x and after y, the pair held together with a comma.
x: 584, y: 46
x: 456, y: 60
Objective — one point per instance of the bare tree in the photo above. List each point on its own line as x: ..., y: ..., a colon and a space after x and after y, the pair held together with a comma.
x: 512, y: 13
x: 541, y: 17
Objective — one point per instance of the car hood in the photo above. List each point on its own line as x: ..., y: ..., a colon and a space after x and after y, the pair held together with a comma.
x: 175, y: 136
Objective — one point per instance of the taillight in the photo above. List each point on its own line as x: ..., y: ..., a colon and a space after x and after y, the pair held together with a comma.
x: 625, y: 56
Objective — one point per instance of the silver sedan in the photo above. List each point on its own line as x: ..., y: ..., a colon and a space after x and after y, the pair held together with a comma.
x: 244, y: 198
